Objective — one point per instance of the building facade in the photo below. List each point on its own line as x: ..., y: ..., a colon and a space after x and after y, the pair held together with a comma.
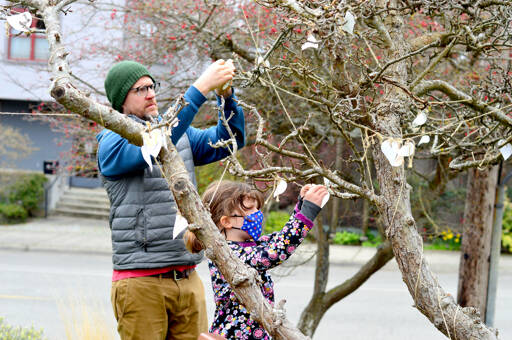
x: 25, y: 83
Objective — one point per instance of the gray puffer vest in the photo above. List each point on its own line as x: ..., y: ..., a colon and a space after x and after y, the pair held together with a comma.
x: 142, y: 215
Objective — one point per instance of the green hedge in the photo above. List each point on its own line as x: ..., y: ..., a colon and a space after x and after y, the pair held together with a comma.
x: 506, y: 234
x: 12, y: 213
x: 22, y: 198
x: 275, y: 221
x: 28, y: 191
x: 346, y: 238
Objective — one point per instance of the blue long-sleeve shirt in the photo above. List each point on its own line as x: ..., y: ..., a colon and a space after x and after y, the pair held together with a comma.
x: 116, y: 156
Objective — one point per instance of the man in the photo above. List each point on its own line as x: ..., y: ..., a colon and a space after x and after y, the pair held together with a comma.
x: 156, y: 294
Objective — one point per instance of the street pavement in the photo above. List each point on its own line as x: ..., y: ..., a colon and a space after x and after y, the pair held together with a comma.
x: 71, y: 234
x: 46, y: 260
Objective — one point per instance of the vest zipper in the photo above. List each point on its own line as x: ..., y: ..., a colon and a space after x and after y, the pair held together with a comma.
x: 145, y: 239
x: 144, y: 233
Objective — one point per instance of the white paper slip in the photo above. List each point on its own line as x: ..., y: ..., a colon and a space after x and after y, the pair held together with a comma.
x: 180, y: 224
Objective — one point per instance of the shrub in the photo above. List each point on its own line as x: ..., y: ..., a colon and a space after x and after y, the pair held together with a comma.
x: 346, y: 238
x: 275, y: 221
x: 28, y: 191
x: 12, y: 213
x: 506, y: 233
x: 506, y: 242
x: 446, y: 240
x: 373, y: 240
x: 8, y: 332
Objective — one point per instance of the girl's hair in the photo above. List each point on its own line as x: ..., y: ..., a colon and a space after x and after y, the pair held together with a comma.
x: 223, y: 201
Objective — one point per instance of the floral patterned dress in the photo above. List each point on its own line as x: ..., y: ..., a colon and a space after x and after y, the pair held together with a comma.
x: 231, y: 319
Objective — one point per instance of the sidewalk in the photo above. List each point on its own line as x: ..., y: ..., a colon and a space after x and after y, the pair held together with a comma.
x: 58, y: 233
x: 68, y: 234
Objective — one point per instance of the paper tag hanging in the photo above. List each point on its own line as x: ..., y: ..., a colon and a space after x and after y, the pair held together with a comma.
x: 280, y: 188
x: 263, y: 62
x: 180, y: 224
x: 325, y: 200
x: 407, y: 150
x: 20, y: 22
x: 420, y: 119
x: 506, y: 150
x: 328, y: 185
x: 391, y: 148
x: 311, y: 42
x: 350, y: 21
x: 424, y: 140
x: 152, y: 143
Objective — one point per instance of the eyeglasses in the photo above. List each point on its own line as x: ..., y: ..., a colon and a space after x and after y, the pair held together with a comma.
x: 142, y: 91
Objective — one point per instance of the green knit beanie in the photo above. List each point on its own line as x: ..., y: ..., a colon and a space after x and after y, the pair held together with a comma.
x: 120, y: 79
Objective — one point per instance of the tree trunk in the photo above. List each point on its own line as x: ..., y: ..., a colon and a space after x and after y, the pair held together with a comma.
x: 429, y: 297
x: 315, y: 307
x: 476, y: 238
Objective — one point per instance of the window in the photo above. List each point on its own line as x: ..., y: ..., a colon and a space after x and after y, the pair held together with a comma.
x: 33, y: 47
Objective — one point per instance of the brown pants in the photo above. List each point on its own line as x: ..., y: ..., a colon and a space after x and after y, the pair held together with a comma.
x: 153, y: 308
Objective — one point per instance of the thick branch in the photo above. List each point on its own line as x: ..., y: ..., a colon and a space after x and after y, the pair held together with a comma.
x: 455, y: 94
x: 427, y: 39
x: 429, y: 297
x: 458, y: 163
x: 296, y: 7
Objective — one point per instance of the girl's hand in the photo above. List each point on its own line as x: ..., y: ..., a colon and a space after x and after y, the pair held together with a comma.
x: 216, y: 75
x: 305, y: 189
x: 315, y: 194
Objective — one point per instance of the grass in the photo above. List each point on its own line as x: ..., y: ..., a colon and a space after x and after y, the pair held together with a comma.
x: 85, y: 322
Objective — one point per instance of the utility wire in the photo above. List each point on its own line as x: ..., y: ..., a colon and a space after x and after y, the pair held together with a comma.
x: 39, y: 114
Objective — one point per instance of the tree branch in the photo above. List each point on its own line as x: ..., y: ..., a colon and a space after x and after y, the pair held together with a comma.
x: 455, y: 94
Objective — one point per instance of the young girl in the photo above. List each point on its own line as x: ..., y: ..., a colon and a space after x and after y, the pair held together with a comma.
x: 234, y: 207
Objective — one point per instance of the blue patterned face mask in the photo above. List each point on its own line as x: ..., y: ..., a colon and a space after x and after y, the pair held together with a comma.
x: 253, y: 224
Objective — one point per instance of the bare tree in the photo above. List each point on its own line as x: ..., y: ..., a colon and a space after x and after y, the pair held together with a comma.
x: 397, y: 86
x: 167, y: 33
x: 408, y: 70
x: 15, y: 145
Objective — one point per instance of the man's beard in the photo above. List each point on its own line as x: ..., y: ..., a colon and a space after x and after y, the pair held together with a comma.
x: 149, y: 118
